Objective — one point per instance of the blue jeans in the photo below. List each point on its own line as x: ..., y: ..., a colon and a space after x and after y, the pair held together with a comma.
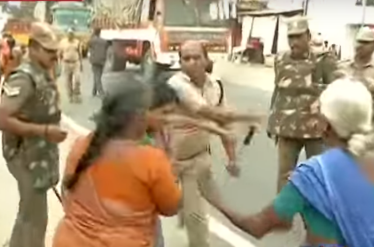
x: 159, y: 237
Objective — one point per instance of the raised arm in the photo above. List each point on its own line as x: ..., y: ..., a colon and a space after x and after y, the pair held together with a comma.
x: 276, y: 216
x: 195, y: 103
x: 201, y: 123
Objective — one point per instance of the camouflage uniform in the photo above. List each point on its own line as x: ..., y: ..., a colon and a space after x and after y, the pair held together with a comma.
x: 33, y: 161
x: 298, y: 84
x: 364, y: 73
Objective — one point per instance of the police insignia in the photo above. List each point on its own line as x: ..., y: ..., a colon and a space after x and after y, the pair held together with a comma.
x: 11, y: 91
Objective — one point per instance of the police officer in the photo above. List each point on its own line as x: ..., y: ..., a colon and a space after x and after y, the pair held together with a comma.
x: 300, y: 76
x: 361, y: 67
x: 200, y: 96
x: 71, y: 58
x: 195, y: 90
x: 29, y: 121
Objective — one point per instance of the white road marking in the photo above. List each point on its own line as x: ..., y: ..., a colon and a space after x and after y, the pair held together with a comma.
x: 216, y: 227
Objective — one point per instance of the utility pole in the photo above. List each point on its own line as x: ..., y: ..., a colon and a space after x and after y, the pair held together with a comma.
x: 364, y: 3
x: 305, y: 6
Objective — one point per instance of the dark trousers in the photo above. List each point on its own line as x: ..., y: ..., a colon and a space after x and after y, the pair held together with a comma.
x: 288, y: 154
x: 31, y: 223
x: 97, y: 71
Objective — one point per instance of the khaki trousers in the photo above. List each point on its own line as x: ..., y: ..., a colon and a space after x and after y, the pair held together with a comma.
x: 31, y: 223
x: 194, y: 173
x: 288, y: 154
x: 71, y: 73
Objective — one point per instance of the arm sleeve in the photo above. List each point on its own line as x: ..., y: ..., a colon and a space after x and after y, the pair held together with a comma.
x: 275, y: 91
x: 164, y: 189
x: 187, y: 96
x: 330, y: 67
x: 288, y: 203
x: 15, y: 92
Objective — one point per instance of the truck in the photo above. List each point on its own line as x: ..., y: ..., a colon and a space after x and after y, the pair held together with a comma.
x: 141, y: 30
x: 75, y: 15
x: 18, y: 20
x: 62, y: 16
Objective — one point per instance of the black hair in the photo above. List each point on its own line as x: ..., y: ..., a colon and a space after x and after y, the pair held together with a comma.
x: 11, y: 42
x: 163, y: 95
x: 119, y: 106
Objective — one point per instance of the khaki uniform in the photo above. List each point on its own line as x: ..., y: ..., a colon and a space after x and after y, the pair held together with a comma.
x: 71, y: 66
x: 33, y: 161
x: 294, y: 111
x: 363, y: 73
x: 190, y: 150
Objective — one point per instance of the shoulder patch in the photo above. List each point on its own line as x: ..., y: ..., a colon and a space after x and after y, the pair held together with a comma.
x: 18, y: 74
x: 11, y: 91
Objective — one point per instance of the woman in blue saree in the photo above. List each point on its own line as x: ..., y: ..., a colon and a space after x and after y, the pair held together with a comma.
x: 334, y: 191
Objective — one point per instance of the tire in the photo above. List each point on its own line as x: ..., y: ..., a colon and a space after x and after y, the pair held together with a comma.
x: 119, y: 63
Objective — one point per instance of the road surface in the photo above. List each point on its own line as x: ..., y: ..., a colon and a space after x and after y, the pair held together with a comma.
x: 246, y: 88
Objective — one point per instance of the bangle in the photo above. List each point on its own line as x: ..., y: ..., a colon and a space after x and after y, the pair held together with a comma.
x: 46, y: 130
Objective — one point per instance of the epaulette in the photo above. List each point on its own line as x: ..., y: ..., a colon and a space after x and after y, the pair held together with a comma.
x: 24, y: 69
x: 15, y: 72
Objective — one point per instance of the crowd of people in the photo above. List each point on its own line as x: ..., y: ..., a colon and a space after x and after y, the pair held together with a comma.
x: 324, y: 46
x: 149, y: 154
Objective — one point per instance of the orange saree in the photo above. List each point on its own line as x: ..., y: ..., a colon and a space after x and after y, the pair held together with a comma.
x: 116, y: 201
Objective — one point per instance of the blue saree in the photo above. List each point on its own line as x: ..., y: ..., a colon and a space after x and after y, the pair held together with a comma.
x: 335, y: 185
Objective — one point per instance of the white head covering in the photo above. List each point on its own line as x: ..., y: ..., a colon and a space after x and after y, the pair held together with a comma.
x: 347, y: 105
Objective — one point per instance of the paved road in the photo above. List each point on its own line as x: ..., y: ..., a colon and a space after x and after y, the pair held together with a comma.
x: 247, y: 88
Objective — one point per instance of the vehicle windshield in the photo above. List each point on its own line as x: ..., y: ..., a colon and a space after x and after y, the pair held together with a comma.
x: 68, y: 18
x: 192, y: 13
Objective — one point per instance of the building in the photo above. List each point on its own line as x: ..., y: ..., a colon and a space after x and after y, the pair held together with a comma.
x: 338, y: 21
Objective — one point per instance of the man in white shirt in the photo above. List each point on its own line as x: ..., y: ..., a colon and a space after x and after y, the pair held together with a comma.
x: 200, y: 96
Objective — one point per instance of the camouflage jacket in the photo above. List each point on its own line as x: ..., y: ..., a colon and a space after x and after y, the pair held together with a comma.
x: 36, y: 153
x: 298, y: 84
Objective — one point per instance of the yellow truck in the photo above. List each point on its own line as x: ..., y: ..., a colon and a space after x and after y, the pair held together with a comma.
x: 75, y: 15
x: 18, y: 19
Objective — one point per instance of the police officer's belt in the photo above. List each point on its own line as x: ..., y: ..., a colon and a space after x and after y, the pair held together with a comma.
x: 313, y: 91
x: 207, y: 149
x: 70, y: 61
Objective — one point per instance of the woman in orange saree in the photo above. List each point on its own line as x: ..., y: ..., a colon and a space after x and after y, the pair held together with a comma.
x: 12, y: 59
x: 115, y: 187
